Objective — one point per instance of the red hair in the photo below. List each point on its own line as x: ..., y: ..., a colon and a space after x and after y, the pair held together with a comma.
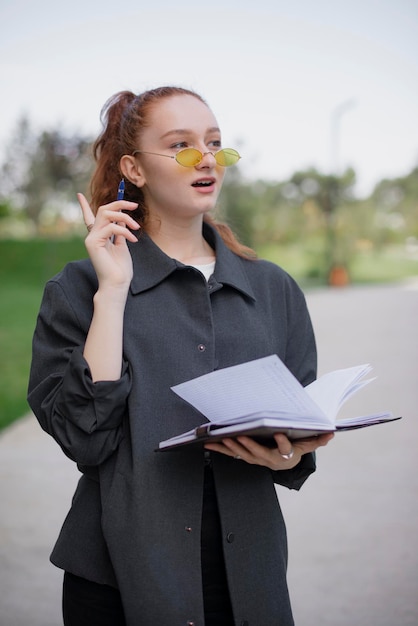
x: 123, y: 116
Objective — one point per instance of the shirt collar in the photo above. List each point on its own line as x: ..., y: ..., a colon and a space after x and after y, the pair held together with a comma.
x: 151, y: 265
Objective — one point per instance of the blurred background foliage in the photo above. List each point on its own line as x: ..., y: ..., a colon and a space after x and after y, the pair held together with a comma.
x: 313, y: 224
x: 313, y: 215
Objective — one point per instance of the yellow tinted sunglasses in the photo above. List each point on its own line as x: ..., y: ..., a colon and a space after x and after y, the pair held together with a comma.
x: 190, y: 157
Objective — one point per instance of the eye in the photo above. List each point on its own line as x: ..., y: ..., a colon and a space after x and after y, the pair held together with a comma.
x: 179, y: 145
x: 215, y: 143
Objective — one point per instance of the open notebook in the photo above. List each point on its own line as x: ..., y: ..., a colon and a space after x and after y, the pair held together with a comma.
x: 262, y: 397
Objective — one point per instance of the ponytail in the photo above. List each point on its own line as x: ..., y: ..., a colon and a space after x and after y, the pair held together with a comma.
x: 108, y: 149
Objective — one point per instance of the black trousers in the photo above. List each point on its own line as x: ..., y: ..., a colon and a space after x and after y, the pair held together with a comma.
x: 86, y: 603
x: 216, y: 600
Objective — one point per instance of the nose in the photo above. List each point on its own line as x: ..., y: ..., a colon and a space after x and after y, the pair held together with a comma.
x: 208, y: 160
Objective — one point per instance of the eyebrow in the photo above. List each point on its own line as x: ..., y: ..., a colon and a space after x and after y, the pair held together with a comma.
x: 185, y: 131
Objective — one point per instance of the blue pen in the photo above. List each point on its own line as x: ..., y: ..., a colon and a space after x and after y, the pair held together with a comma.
x: 121, y: 190
x: 121, y: 193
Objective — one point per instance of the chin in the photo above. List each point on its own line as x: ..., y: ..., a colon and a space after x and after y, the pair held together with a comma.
x: 209, y: 205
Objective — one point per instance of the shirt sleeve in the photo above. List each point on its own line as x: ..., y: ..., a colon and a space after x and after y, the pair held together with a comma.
x: 84, y: 417
x: 295, y: 477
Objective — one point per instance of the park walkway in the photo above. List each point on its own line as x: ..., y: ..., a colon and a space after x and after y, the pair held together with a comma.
x: 353, y: 539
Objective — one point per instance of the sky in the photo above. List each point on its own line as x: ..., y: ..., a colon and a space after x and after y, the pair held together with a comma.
x: 293, y: 85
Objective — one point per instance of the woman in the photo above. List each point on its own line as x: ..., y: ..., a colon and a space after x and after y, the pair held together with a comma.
x: 190, y: 537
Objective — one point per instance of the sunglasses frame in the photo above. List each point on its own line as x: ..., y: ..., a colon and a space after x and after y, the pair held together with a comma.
x: 202, y: 154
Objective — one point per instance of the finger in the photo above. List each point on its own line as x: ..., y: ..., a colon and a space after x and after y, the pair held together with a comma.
x: 257, y: 453
x: 116, y: 217
x: 119, y: 205
x: 116, y: 207
x: 322, y: 440
x: 229, y: 447
x: 88, y: 214
x: 121, y: 232
x: 266, y: 454
x: 109, y: 232
x: 250, y: 450
x: 253, y: 447
x: 284, y: 446
x: 310, y: 445
x: 218, y: 446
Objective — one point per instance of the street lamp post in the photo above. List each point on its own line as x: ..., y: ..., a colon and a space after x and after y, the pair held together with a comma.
x: 338, y: 274
x: 336, y: 116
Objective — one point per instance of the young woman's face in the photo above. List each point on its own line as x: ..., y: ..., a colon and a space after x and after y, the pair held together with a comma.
x: 169, y: 188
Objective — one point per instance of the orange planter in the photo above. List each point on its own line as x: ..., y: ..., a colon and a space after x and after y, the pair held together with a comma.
x: 338, y: 276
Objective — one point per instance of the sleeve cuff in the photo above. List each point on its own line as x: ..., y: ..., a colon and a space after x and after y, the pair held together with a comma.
x: 92, y: 405
x: 295, y: 477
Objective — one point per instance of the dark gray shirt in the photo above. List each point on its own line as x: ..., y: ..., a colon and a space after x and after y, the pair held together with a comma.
x: 135, y: 519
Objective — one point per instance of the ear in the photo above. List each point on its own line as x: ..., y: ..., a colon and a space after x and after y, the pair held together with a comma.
x: 131, y: 170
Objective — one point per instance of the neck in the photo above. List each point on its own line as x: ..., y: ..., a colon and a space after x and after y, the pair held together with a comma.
x: 184, y: 242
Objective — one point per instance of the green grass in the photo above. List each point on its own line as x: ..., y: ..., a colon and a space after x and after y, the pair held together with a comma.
x: 388, y: 265
x: 25, y: 266
x: 24, y: 269
x: 391, y: 264
x: 18, y: 308
x: 32, y: 262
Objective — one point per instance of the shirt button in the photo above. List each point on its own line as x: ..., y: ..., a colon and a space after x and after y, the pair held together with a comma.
x: 188, y: 529
x: 230, y: 537
x: 190, y: 623
x: 201, y: 347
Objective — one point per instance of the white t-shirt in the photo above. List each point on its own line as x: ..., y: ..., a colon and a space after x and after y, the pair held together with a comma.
x: 206, y: 269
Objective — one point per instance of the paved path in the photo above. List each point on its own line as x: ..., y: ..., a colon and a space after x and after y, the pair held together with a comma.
x: 353, y: 529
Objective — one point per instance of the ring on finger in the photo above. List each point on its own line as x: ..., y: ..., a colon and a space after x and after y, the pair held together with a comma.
x: 289, y: 455
x: 89, y: 226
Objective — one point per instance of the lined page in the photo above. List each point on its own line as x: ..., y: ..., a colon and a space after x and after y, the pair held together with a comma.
x: 255, y: 387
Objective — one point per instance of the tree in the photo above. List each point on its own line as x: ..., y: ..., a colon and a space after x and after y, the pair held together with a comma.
x: 396, y: 204
x: 18, y: 155
x: 330, y: 193
x: 237, y: 206
x: 43, y: 172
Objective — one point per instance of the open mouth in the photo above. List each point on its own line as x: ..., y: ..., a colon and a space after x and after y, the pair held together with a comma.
x: 203, y: 183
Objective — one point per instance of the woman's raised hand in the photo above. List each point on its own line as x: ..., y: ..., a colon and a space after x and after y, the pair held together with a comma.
x: 106, y: 241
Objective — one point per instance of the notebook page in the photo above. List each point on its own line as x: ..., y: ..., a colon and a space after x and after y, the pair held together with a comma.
x: 253, y: 387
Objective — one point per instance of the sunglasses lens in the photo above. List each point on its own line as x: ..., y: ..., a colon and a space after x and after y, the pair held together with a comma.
x: 227, y: 157
x: 189, y: 157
